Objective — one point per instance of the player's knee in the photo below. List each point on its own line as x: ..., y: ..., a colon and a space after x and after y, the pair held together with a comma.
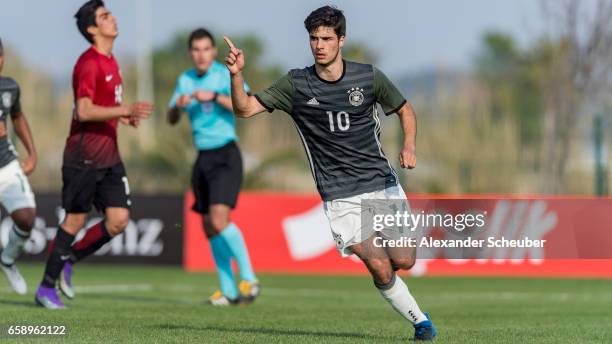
x: 218, y: 223
x: 404, y: 263
x: 25, y: 225
x: 208, y: 229
x: 73, y: 226
x: 24, y: 219
x: 117, y: 225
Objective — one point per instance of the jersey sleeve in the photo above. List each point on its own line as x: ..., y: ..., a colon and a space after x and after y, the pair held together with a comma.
x: 387, y: 95
x: 87, y: 80
x: 278, y: 96
x: 16, y: 107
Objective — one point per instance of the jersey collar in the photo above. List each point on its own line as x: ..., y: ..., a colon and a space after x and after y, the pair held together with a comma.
x: 212, y: 68
x: 331, y: 82
x: 93, y: 47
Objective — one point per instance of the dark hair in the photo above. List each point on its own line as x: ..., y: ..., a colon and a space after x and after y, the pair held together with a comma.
x: 86, y: 17
x: 200, y: 33
x: 326, y: 16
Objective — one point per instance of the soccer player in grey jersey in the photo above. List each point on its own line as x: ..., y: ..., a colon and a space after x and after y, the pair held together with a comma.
x: 333, y: 104
x: 15, y: 193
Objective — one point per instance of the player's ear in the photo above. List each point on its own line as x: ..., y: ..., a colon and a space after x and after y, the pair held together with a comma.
x: 93, y: 30
x: 341, y: 42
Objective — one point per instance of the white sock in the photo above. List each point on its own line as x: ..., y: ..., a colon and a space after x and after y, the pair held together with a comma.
x: 398, y: 295
x: 14, y: 247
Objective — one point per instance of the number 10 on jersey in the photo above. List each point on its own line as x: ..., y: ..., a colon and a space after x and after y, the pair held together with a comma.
x: 342, y: 121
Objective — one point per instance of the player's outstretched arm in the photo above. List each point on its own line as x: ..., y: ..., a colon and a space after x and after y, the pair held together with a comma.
x: 408, y: 120
x: 243, y: 104
x: 22, y: 129
x: 87, y: 111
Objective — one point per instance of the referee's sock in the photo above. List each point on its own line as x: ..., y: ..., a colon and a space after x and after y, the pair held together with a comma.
x: 58, y: 256
x: 223, y: 260
x: 95, y: 237
x: 234, y: 240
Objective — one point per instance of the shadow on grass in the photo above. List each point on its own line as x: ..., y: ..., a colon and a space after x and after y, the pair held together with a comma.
x: 272, y: 331
x: 24, y: 303
x: 139, y: 298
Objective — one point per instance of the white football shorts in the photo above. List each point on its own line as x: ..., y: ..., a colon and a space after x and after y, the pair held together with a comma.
x: 345, y: 218
x: 15, y: 191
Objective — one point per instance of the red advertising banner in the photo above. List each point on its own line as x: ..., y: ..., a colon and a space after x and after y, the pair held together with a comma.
x: 288, y: 233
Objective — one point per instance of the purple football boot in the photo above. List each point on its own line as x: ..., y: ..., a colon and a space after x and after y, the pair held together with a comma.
x: 65, y: 281
x: 47, y: 297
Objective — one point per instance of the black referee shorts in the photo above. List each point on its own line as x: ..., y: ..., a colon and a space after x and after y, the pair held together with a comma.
x: 217, y: 177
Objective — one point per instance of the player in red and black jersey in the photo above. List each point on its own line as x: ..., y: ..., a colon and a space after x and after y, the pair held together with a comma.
x: 92, y: 170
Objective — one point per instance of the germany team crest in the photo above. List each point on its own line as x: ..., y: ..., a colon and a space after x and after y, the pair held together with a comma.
x: 355, y: 96
x: 6, y: 99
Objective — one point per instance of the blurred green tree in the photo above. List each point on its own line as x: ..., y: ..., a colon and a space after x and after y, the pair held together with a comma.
x: 359, y: 52
x: 512, y: 80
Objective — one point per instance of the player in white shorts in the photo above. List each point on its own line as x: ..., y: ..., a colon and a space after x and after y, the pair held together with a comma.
x: 345, y: 218
x: 333, y: 105
x: 15, y: 193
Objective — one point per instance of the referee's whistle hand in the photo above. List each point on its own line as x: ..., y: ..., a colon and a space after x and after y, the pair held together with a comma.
x: 203, y: 96
x: 183, y: 101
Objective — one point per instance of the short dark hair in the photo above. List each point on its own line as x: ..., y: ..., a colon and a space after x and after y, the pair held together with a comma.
x: 326, y: 16
x: 200, y: 33
x: 86, y: 17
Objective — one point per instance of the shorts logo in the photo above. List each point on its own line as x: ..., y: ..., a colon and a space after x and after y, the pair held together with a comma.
x: 6, y: 99
x: 355, y: 96
x: 338, y: 240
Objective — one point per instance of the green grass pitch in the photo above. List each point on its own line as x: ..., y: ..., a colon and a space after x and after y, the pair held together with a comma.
x: 124, y: 304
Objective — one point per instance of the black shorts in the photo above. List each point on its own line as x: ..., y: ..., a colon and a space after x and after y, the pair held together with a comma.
x: 217, y: 177
x: 104, y: 188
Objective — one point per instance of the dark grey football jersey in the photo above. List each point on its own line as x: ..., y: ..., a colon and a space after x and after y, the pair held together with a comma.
x: 339, y: 126
x: 9, y: 104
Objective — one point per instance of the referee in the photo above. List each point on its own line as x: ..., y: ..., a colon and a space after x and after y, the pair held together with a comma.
x: 204, y: 94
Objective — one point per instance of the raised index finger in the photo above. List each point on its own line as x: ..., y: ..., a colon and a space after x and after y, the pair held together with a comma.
x: 229, y: 43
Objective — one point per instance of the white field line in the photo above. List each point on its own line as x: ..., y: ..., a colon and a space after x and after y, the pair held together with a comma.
x: 340, y: 292
x: 100, y: 288
x: 112, y: 288
x: 499, y: 295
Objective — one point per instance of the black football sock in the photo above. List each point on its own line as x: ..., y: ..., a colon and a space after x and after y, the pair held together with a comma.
x: 58, y: 256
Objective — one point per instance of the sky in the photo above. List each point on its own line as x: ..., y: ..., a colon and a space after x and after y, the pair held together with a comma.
x: 406, y: 35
